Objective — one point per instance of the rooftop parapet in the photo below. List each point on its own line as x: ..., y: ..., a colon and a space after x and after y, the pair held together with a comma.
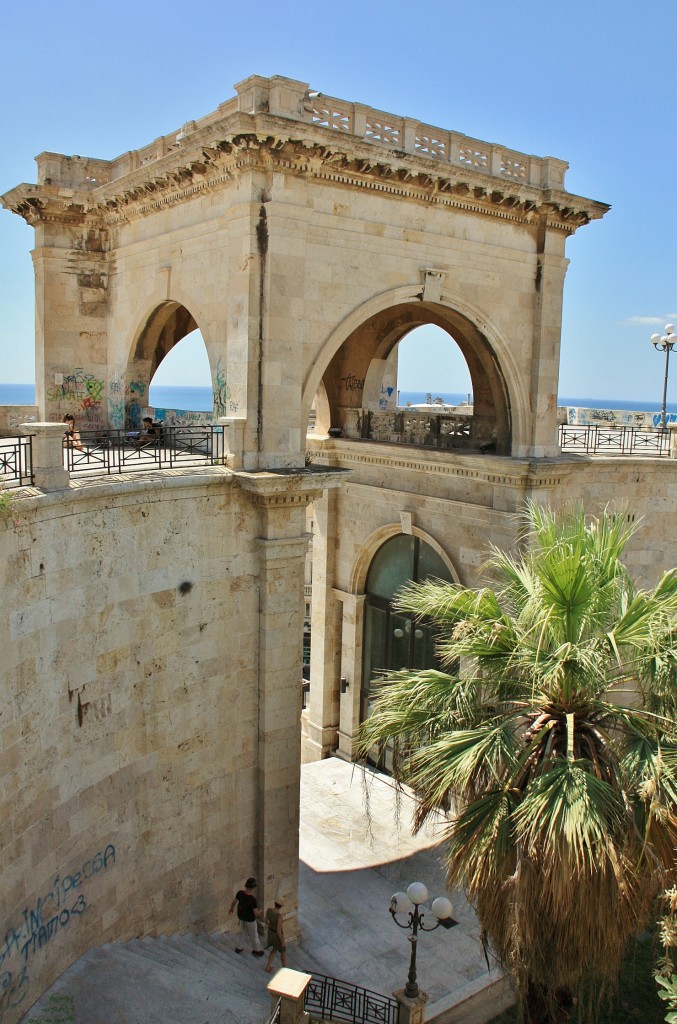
x: 292, y: 100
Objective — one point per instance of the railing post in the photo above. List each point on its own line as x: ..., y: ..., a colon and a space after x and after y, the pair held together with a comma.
x: 233, y: 440
x: 48, y: 471
x: 290, y: 987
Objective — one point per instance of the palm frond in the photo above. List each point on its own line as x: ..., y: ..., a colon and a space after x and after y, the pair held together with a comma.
x: 570, y: 814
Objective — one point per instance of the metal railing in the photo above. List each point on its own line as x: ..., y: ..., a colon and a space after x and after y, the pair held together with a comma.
x: 628, y: 441
x: 120, y: 451
x: 331, y: 999
x: 275, y: 1015
x: 16, y: 461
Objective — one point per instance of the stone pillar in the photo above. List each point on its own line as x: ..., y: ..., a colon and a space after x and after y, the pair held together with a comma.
x: 322, y: 714
x: 280, y: 500
x: 290, y: 988
x: 48, y: 470
x: 351, y: 670
x: 545, y: 346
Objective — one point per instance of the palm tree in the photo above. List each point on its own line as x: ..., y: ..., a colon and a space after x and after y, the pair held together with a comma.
x: 553, y: 736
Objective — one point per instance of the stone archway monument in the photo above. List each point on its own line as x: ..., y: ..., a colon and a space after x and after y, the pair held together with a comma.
x: 303, y: 235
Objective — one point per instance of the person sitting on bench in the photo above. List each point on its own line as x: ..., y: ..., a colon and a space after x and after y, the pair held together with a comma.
x: 145, y: 436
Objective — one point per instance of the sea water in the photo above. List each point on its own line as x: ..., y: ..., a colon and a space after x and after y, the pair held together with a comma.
x: 199, y: 399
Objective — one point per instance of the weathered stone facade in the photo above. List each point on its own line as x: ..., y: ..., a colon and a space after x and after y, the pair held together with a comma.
x: 305, y: 238
x: 150, y: 707
x: 459, y: 504
x: 151, y: 691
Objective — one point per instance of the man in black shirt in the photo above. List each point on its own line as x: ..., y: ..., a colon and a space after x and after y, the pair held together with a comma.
x: 247, y: 912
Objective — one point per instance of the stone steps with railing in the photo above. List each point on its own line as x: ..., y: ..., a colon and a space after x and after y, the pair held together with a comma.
x: 178, y: 979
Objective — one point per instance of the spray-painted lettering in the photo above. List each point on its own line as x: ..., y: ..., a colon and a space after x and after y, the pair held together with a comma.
x: 352, y: 383
x: 52, y: 912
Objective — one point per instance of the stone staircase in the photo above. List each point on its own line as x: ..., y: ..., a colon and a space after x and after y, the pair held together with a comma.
x: 188, y: 979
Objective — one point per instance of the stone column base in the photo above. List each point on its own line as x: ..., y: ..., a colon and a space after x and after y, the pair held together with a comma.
x: 412, y: 1011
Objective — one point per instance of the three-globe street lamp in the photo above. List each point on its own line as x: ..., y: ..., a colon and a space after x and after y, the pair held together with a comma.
x: 665, y: 343
x: 409, y: 902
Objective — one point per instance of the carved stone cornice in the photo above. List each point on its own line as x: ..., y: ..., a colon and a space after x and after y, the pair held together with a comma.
x: 495, y: 470
x: 289, y: 488
x: 40, y: 204
x: 231, y: 146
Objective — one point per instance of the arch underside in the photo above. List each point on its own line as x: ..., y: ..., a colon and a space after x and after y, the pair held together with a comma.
x: 354, y: 377
x: 166, y: 326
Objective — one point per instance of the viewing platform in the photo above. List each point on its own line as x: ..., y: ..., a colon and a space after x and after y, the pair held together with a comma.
x: 114, y: 452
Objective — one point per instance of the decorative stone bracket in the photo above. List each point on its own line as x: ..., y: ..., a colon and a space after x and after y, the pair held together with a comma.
x: 433, y: 282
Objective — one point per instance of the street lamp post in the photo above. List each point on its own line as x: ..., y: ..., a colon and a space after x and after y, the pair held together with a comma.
x: 665, y: 343
x: 409, y: 903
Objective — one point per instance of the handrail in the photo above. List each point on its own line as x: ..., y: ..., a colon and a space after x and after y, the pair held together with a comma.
x: 332, y: 999
x: 593, y: 439
x: 275, y: 1015
x: 120, y: 451
x: 16, y: 461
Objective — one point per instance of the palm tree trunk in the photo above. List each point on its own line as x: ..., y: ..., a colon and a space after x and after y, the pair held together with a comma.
x: 543, y: 1006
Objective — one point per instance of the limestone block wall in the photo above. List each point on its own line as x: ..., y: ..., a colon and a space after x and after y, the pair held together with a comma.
x: 647, y: 490
x: 129, y: 783
x: 460, y: 504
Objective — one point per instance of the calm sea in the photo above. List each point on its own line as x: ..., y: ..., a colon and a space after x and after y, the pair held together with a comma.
x: 199, y: 399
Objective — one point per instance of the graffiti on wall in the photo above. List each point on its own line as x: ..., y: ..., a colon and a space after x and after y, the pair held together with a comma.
x: 116, y: 402
x: 60, y: 1010
x: 385, y: 401
x: 179, y: 417
x: 57, y: 911
x: 134, y: 393
x: 352, y: 383
x: 221, y: 391
x: 82, y: 394
x: 577, y: 416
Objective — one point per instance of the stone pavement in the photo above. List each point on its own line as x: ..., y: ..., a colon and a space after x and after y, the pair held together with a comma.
x: 351, y: 864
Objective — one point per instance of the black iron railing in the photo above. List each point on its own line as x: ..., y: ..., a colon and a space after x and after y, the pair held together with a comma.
x: 16, y: 461
x: 331, y: 999
x: 599, y: 440
x: 120, y: 451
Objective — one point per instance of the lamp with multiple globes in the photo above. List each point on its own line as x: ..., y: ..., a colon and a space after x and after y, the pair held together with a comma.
x: 410, y: 903
x: 665, y: 343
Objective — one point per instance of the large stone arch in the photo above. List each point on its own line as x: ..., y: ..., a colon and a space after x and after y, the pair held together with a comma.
x: 164, y: 324
x: 377, y: 539
x: 351, y: 634
x: 359, y: 349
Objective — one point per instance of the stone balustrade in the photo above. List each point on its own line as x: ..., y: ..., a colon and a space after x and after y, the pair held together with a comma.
x: 287, y: 98
x: 425, y: 427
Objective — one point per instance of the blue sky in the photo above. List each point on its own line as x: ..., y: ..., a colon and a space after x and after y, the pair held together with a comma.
x: 591, y: 83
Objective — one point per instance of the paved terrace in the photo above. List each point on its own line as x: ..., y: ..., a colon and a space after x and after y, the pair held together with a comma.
x: 113, y: 453
x: 350, y: 866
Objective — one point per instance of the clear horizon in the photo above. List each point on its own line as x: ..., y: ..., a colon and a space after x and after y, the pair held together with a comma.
x: 610, y: 115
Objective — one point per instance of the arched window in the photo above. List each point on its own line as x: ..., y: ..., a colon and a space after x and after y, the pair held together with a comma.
x: 393, y: 640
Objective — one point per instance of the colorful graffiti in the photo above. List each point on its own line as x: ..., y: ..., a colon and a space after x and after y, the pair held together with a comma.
x: 81, y: 393
x: 578, y: 416
x: 179, y: 417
